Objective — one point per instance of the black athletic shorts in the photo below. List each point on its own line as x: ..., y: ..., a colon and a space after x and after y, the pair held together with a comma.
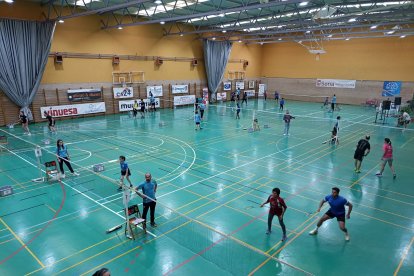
x: 332, y: 215
x: 358, y: 155
x: 124, y: 172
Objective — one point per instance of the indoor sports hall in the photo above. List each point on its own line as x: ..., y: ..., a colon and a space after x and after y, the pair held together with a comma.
x: 219, y: 102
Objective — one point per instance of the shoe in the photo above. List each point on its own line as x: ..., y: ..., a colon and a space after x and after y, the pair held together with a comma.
x: 379, y: 174
x: 131, y: 186
x: 284, y: 238
x: 75, y: 174
x: 62, y: 175
x: 154, y: 224
x: 284, y: 134
x: 29, y: 134
x: 347, y: 237
x: 119, y: 189
x: 268, y: 232
x: 314, y: 232
x: 394, y: 176
x: 357, y: 171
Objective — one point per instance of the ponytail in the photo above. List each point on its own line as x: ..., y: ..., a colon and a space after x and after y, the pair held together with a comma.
x: 388, y: 141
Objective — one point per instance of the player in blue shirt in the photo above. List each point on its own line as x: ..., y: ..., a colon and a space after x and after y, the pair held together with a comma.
x: 63, y: 157
x: 148, y: 188
x: 125, y: 172
x: 197, y: 120
x: 337, y: 211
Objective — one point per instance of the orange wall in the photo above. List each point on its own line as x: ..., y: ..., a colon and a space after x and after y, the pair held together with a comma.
x: 358, y: 59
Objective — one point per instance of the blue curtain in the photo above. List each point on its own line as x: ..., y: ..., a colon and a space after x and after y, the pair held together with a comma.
x: 216, y: 56
x: 24, y: 50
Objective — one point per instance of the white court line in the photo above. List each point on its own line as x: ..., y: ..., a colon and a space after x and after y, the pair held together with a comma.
x: 243, y: 165
x: 67, y: 185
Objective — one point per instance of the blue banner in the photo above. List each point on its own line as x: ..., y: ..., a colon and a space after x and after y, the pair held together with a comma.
x: 391, y: 88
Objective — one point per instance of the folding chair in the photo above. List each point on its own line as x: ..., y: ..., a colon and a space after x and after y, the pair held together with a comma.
x: 135, y: 220
x: 3, y: 142
x: 52, y: 172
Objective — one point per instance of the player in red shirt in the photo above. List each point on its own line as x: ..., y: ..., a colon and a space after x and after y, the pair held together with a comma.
x: 278, y: 208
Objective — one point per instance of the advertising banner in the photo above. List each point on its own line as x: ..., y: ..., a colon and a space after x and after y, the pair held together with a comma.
x: 75, y: 95
x: 262, y: 88
x: 184, y: 100
x: 391, y: 88
x: 239, y: 84
x: 180, y: 89
x: 123, y: 92
x: 227, y: 86
x: 332, y: 83
x: 128, y: 105
x: 221, y: 96
x: 155, y: 90
x: 73, y: 110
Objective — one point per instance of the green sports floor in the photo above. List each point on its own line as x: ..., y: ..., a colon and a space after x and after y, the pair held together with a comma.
x: 211, y: 182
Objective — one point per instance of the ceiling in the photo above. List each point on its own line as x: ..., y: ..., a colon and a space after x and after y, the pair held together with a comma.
x: 252, y: 22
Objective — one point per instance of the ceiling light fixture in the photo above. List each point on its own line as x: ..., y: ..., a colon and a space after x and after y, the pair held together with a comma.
x: 261, y: 43
x: 302, y: 4
x: 223, y: 31
x: 240, y: 41
x: 214, y: 38
x: 120, y: 28
x: 279, y: 39
x: 347, y: 38
x: 390, y: 32
x: 374, y: 27
x: 181, y: 34
x: 162, y: 22
x: 330, y: 35
x: 158, y: 2
x: 402, y: 36
x: 352, y: 20
x: 9, y: 1
x: 61, y: 21
x: 221, y: 15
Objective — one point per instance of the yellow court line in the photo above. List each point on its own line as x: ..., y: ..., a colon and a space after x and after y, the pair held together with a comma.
x: 365, y: 175
x: 280, y: 249
x: 347, y: 187
x: 22, y: 243
x: 406, y: 250
x: 309, y: 156
x: 53, y: 210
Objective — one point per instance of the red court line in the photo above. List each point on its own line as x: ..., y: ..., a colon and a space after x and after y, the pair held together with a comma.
x: 243, y: 226
x: 41, y: 230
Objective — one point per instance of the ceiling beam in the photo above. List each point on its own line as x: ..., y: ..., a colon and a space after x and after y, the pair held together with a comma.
x: 202, y: 14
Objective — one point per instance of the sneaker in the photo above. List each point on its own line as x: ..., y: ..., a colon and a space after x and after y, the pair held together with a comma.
x: 62, y: 175
x: 284, y: 238
x: 284, y: 134
x: 119, y: 189
x: 29, y: 134
x: 154, y: 224
x: 314, y: 231
x: 394, y: 176
x: 268, y: 232
x: 75, y: 174
x: 357, y: 171
x: 379, y: 174
x: 347, y: 237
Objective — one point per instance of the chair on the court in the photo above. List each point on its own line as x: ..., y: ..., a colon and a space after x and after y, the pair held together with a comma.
x: 51, y: 170
x: 135, y: 219
x: 3, y: 142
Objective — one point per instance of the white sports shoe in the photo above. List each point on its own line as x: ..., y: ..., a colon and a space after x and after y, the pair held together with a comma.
x: 347, y: 237
x: 75, y: 174
x: 314, y: 231
x: 62, y: 175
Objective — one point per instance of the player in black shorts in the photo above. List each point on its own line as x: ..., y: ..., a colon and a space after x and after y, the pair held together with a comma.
x: 52, y: 122
x: 362, y: 149
x: 25, y: 123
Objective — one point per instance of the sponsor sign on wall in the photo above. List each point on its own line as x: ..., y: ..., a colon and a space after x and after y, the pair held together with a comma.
x: 391, y: 88
x: 75, y: 95
x: 239, y: 84
x: 251, y: 84
x: 123, y: 92
x: 180, y: 89
x: 73, y: 109
x: 155, y: 90
x: 262, y: 88
x: 331, y: 83
x: 227, y: 86
x: 128, y: 105
x: 184, y: 100
x: 221, y: 96
x: 250, y: 93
